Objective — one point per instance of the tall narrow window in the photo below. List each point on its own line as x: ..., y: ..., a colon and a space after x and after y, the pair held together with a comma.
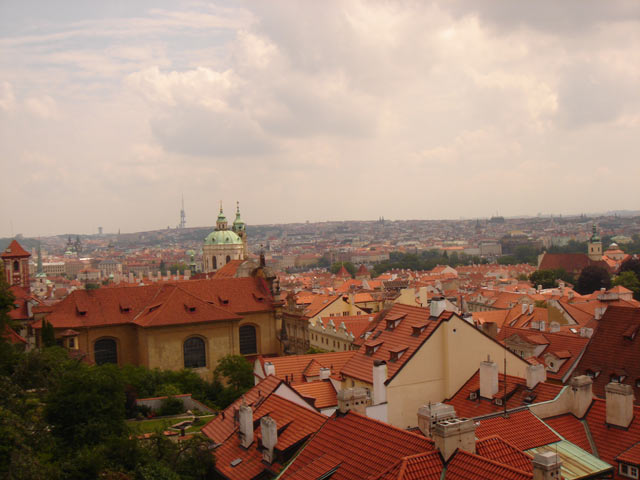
x: 194, y: 353
x: 248, y: 344
x: 16, y: 266
x: 215, y: 263
x: 228, y: 259
x: 105, y: 350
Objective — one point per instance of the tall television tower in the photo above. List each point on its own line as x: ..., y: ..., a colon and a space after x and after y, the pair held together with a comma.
x: 183, y: 216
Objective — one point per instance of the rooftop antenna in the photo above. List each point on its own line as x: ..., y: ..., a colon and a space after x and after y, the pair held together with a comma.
x: 504, y: 399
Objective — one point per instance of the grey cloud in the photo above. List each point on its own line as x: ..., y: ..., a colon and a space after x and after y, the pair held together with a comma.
x: 201, y: 132
x: 548, y: 15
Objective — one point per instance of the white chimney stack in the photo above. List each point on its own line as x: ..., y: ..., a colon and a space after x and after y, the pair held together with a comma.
x: 524, y: 308
x: 437, y: 306
x: 246, y: 425
x: 379, y: 377
x: 457, y: 433
x: 269, y: 431
x: 325, y: 373
x: 488, y: 379
x: 619, y: 399
x: 535, y: 375
x: 581, y: 394
x: 530, y: 308
x: 269, y: 369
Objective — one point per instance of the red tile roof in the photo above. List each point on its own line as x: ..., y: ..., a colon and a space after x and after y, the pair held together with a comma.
x: 517, y: 392
x: 571, y: 429
x: 608, y: 338
x: 321, y: 393
x: 361, y: 365
x: 632, y: 455
x: 297, y: 368
x: 356, y: 324
x: 363, y: 447
x: 422, y: 466
x: 521, y: 429
x: 14, y: 250
x: 229, y: 270
x: 562, y: 345
x: 223, y: 425
x: 498, y: 450
x: 213, y: 300
x: 294, y: 423
x: 467, y: 466
x: 611, y: 441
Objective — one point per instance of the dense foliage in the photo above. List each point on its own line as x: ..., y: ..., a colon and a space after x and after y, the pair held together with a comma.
x: 549, y: 278
x: 592, y: 278
x: 425, y: 260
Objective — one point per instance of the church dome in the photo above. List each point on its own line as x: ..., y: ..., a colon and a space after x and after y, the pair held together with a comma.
x: 223, y: 237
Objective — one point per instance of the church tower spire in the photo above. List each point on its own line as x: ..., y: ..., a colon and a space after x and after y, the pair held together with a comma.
x: 221, y: 223
x: 595, y: 245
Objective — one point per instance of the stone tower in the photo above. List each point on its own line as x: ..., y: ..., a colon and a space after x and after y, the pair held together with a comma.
x: 595, y: 246
x: 16, y: 265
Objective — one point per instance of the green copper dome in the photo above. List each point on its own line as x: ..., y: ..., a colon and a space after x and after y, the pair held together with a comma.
x: 223, y: 237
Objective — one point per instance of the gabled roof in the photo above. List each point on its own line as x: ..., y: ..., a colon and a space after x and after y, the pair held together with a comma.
x: 521, y: 429
x: 14, y: 250
x: 518, y: 395
x: 469, y: 466
x: 610, y: 350
x: 296, y: 368
x: 363, y: 447
x: 223, y: 425
x: 321, y: 393
x: 213, y: 300
x: 498, y: 450
x: 361, y: 365
x: 422, y: 466
x: 571, y: 429
x: 229, y: 270
x: 294, y: 424
x: 562, y: 345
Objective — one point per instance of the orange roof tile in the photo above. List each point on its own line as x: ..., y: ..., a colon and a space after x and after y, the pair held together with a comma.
x: 293, y: 367
x: 571, y: 429
x: 468, y: 466
x: 363, y: 447
x: 498, y: 450
x: 14, y: 250
x: 321, y: 393
x: 521, y: 429
x: 361, y: 365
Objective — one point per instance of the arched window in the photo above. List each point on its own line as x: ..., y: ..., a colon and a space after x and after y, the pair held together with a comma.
x: 228, y: 259
x: 105, y: 350
x: 194, y: 353
x: 16, y: 266
x: 215, y: 263
x: 248, y: 344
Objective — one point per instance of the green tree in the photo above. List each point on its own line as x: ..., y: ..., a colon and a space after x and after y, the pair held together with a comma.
x: 87, y: 406
x: 236, y: 370
x: 631, y: 264
x: 592, y: 278
x: 350, y: 267
x: 47, y: 334
x: 549, y: 278
x: 6, y: 305
x: 629, y: 279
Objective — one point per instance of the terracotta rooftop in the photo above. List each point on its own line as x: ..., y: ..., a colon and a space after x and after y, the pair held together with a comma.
x: 320, y: 393
x: 14, y: 250
x: 612, y: 335
x: 518, y: 395
x: 298, y: 369
x: 361, y: 446
x: 387, y: 338
x: 469, y: 466
x: 521, y: 429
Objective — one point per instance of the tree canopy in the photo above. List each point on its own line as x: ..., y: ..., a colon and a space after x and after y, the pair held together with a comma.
x: 592, y: 278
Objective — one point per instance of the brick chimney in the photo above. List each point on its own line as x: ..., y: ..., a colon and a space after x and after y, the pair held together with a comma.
x: 269, y: 431
x: 429, y: 415
x: 581, y: 395
x: 619, y: 398
x: 547, y: 466
x: 449, y: 435
x: 246, y: 425
x: 490, y: 328
x: 488, y: 379
x: 379, y: 377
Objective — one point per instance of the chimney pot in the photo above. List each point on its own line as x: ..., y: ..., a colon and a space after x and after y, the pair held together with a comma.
x: 546, y: 466
x: 449, y: 435
x: 269, y: 431
x: 379, y: 379
x: 581, y: 394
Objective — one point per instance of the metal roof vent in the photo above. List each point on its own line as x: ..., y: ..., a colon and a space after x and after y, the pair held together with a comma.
x: 236, y: 462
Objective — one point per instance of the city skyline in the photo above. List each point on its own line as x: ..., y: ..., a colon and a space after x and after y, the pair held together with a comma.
x: 300, y: 111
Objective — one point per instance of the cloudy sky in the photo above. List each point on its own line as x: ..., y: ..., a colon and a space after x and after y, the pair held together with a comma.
x: 308, y: 110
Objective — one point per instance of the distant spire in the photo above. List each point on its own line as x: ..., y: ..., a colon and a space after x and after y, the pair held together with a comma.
x: 40, y: 269
x: 220, y: 206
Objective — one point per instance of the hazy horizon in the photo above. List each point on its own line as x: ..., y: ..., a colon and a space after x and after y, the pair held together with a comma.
x: 300, y: 110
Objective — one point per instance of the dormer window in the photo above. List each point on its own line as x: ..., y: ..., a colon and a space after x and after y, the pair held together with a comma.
x: 592, y: 374
x: 629, y: 471
x: 393, y: 321
x: 396, y: 353
x: 473, y: 395
x: 498, y: 401
x: 372, y: 347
